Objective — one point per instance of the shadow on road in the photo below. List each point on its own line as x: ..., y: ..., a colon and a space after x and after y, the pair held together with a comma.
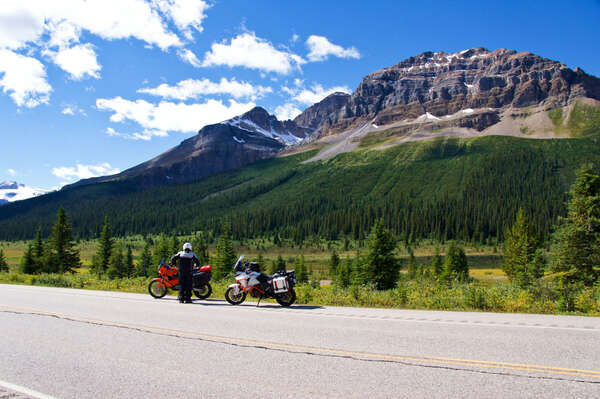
x: 219, y: 302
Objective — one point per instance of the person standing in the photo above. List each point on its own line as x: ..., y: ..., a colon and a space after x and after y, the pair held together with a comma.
x: 185, y: 260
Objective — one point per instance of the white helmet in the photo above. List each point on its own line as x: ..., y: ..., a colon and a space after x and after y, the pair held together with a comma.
x: 187, y: 245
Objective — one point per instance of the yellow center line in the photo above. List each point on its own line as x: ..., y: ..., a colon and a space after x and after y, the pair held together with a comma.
x: 339, y: 352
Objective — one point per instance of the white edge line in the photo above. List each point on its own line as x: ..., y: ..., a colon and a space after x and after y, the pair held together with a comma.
x: 24, y: 390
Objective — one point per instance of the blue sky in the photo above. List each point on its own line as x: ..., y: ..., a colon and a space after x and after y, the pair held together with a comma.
x: 91, y: 87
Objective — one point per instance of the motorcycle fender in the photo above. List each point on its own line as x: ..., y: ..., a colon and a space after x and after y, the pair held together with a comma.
x: 236, y: 288
x: 160, y: 283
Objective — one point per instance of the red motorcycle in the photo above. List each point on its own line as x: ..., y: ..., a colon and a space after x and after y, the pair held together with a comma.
x: 169, y: 279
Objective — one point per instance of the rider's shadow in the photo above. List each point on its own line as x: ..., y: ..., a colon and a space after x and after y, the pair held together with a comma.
x: 213, y: 302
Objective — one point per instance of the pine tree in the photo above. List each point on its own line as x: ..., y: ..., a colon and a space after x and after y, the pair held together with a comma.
x: 129, y: 268
x: 436, y: 263
x: 576, y: 249
x: 334, y: 262
x: 201, y: 249
x: 344, y: 273
x: 381, y: 266
x: 224, y: 255
x: 144, y: 262
x: 162, y: 252
x: 116, y: 269
x: 300, y: 269
x: 455, y: 264
x: 38, y: 248
x: 62, y: 246
x: 28, y: 263
x: 523, y: 260
x: 280, y: 263
x: 105, y: 247
x: 3, y: 263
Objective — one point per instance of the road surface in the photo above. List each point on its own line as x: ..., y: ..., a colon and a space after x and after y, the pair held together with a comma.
x: 67, y: 343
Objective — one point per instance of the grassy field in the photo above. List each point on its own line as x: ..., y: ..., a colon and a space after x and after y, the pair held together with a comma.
x: 484, y: 262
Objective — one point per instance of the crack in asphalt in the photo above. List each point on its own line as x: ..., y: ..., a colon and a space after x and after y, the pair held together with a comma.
x: 300, y: 352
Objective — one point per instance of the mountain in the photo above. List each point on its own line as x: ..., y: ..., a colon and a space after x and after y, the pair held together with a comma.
x: 11, y: 191
x: 228, y: 145
x: 476, y: 82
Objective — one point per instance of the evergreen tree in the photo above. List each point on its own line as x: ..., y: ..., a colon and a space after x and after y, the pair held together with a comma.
x: 334, y: 262
x: 162, y: 252
x: 576, y: 249
x: 455, y: 264
x: 344, y: 273
x: 201, y: 249
x: 280, y: 263
x: 105, y: 247
x: 381, y: 266
x: 523, y: 260
x: 436, y: 263
x: 116, y: 268
x: 129, y: 269
x: 62, y: 246
x: 38, y: 248
x: 224, y: 255
x: 300, y: 269
x: 144, y: 262
x: 3, y: 263
x: 28, y: 263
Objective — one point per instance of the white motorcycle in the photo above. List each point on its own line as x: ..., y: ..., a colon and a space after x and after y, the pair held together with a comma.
x: 249, y: 280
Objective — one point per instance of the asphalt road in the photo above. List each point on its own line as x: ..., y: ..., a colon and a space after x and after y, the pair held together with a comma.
x: 89, y: 344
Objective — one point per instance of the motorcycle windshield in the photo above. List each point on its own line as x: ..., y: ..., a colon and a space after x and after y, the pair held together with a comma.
x: 238, y: 264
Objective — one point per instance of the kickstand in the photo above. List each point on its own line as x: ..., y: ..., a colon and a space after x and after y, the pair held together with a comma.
x: 261, y: 297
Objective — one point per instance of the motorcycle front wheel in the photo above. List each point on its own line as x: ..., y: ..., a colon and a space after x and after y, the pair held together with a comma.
x: 203, y: 291
x: 156, y: 290
x: 234, y: 299
x: 287, y: 298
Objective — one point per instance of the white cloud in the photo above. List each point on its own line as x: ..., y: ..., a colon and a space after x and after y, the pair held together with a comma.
x: 186, y: 14
x: 192, y: 88
x: 320, y: 49
x: 145, y: 134
x: 78, y: 61
x: 19, y: 23
x: 12, y: 172
x: 287, y: 111
x: 189, y: 57
x: 295, y: 38
x: 24, y: 78
x: 68, y: 111
x: 315, y: 94
x: 63, y: 33
x: 80, y: 171
x: 168, y: 116
x: 249, y: 51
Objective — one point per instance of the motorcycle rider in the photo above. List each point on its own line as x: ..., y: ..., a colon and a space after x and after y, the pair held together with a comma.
x: 185, y: 260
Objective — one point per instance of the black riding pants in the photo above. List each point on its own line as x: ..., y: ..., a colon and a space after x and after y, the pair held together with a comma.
x: 185, y: 282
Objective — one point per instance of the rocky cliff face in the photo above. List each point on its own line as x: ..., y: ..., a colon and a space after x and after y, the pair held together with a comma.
x: 443, y: 84
x: 323, y: 112
x: 231, y: 144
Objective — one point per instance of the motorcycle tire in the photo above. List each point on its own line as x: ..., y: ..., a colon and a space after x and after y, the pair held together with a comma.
x: 155, y: 291
x: 234, y: 300
x: 287, y: 298
x: 203, y: 292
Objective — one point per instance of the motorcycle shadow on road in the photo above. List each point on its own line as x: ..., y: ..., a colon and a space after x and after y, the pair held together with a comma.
x: 266, y: 305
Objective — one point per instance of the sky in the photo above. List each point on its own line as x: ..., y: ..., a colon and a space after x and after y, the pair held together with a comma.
x: 93, y: 87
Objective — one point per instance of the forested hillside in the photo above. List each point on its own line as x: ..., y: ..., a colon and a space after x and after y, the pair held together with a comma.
x: 443, y: 188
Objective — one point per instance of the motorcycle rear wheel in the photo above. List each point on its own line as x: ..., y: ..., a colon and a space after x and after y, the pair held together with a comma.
x: 155, y: 290
x: 203, y: 292
x: 234, y: 299
x: 287, y: 298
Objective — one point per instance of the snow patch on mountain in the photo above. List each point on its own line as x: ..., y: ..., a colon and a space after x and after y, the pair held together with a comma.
x: 11, y: 191
x: 285, y: 137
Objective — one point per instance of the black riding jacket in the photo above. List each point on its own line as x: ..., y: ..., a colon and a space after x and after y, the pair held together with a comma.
x: 185, y: 260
